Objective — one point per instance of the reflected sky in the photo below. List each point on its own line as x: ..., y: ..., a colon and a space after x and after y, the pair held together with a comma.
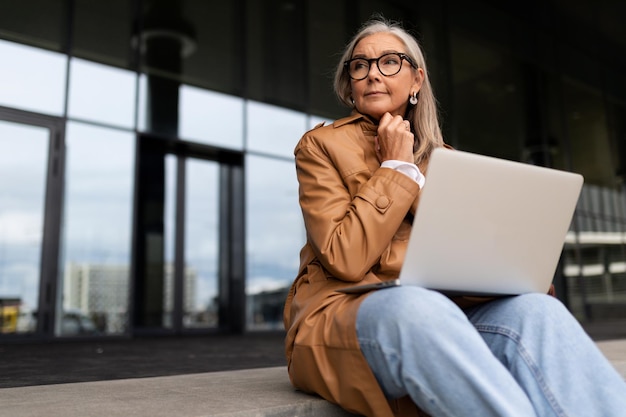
x: 275, y: 230
x: 211, y: 117
x: 98, y: 194
x: 22, y: 193
x: 201, y: 227
x: 274, y: 130
x: 102, y: 94
x: 32, y: 78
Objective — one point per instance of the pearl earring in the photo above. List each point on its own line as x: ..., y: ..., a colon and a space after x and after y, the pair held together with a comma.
x: 413, y: 99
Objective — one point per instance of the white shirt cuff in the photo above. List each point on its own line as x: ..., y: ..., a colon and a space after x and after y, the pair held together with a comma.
x: 408, y: 169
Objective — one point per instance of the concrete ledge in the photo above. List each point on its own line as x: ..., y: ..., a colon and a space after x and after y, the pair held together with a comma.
x: 247, y: 393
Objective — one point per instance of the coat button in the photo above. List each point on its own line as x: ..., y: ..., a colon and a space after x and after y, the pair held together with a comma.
x: 382, y: 202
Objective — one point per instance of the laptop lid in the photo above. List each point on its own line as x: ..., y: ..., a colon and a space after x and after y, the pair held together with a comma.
x: 489, y: 226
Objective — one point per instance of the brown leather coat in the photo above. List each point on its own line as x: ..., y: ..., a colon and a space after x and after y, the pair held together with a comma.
x: 358, y: 220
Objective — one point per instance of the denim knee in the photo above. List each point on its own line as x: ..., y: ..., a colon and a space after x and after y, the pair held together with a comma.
x: 535, y: 312
x: 407, y: 309
x: 535, y: 306
x: 536, y: 303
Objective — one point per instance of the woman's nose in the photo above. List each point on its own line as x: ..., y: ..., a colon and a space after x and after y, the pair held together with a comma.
x: 373, y: 72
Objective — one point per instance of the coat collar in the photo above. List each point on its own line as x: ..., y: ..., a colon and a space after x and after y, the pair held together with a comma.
x: 367, y: 124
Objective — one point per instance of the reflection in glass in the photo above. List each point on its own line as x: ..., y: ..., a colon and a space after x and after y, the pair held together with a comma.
x: 102, y: 31
x: 273, y: 130
x: 589, y: 138
x: 101, y: 93
x: 200, y: 264
x: 169, y: 240
x: 142, y: 104
x: 555, y: 135
x: 97, y: 227
x: 201, y: 244
x: 275, y: 39
x: 274, y: 237
x: 487, y: 98
x: 32, y: 78
x: 597, y: 279
x: 23, y: 161
x: 211, y: 118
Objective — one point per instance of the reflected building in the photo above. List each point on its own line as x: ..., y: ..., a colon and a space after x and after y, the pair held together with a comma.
x: 150, y: 143
x: 100, y: 292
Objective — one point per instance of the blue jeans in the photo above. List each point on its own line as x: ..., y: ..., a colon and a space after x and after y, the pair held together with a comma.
x: 516, y: 356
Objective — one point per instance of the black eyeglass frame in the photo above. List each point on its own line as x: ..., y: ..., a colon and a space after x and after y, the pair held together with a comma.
x: 369, y: 61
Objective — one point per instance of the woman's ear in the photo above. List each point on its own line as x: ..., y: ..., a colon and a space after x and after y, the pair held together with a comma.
x: 419, y: 79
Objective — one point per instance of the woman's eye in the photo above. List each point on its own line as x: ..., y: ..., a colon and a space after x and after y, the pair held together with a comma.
x: 390, y: 61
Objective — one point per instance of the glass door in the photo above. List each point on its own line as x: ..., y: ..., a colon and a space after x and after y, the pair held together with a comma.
x: 31, y: 155
x: 188, y: 254
x: 191, y: 241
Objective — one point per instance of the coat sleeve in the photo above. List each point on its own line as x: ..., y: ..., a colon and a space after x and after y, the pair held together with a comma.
x: 349, y: 231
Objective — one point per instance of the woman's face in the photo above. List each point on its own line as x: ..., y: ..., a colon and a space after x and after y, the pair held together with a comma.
x: 377, y: 94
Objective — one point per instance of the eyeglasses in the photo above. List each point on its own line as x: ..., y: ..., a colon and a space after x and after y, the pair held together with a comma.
x: 388, y: 65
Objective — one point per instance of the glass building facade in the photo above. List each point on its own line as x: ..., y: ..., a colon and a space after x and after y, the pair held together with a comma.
x: 146, y: 168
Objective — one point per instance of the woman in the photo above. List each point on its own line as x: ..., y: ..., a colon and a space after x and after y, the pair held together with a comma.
x: 407, y: 350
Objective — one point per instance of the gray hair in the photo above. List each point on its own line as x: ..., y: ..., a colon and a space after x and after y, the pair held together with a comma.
x: 423, y: 116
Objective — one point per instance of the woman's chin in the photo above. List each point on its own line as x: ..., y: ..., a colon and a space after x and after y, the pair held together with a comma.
x: 376, y: 112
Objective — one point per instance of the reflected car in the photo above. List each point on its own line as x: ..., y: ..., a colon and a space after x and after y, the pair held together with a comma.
x: 75, y: 322
x: 27, y: 321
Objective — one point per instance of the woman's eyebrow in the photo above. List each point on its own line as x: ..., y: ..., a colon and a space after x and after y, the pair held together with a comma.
x: 389, y: 51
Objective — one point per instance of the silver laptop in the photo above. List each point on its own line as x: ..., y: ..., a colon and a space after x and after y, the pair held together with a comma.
x: 488, y: 226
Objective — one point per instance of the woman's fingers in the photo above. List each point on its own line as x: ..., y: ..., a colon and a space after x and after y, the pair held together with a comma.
x: 395, y: 140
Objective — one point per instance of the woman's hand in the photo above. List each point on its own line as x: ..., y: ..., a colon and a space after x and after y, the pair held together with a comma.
x: 394, y: 140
